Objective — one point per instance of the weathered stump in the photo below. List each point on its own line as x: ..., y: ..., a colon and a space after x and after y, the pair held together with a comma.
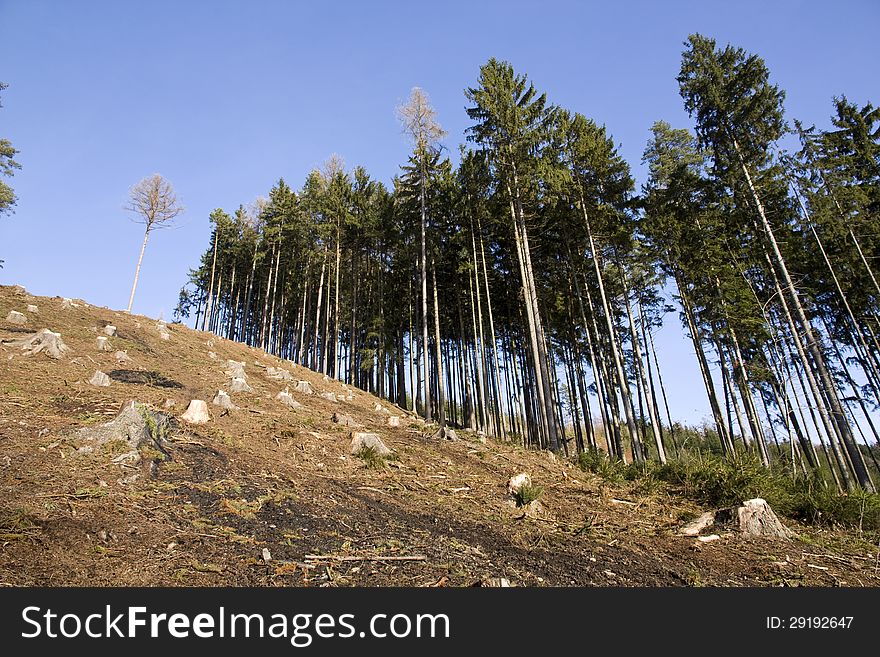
x: 137, y: 425
x: 100, y: 379
x: 223, y: 400
x: 756, y: 518
x: 287, y: 399
x: 445, y: 433
x: 344, y: 420
x: 44, y: 341
x: 361, y: 441
x: 238, y: 384
x: 196, y: 412
x: 15, y: 317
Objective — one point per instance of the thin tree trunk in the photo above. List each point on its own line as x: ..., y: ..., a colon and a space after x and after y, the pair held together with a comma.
x: 812, y: 346
x: 137, y: 271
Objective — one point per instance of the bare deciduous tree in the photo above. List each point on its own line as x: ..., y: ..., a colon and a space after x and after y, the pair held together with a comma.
x: 154, y: 202
x: 419, y: 121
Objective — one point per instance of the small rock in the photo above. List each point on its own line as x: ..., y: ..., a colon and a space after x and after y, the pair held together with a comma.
x: 325, y: 378
x: 110, y: 330
x: 165, y: 336
x: 15, y: 317
x: 239, y: 385
x: 32, y: 308
x: 329, y: 396
x: 66, y: 304
x: 6, y: 461
x: 196, y: 413
x: 304, y: 387
x: 170, y: 403
x: 212, y: 355
x: 709, y: 538
x: 210, y: 343
x: 267, y: 556
x: 103, y: 344
x: 393, y: 421
x: 122, y: 357
x: 223, y: 400
x: 361, y: 441
x: 100, y: 379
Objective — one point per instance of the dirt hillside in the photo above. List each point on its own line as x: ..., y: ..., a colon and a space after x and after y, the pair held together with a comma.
x: 269, y: 495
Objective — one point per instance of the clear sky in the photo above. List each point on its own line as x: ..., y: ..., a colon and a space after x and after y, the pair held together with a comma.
x: 223, y: 98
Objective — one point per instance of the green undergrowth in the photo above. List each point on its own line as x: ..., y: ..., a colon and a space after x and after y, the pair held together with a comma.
x: 718, y: 482
x: 374, y: 460
x: 526, y: 494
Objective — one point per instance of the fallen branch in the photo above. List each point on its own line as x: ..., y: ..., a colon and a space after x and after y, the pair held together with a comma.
x: 337, y: 557
x: 375, y: 490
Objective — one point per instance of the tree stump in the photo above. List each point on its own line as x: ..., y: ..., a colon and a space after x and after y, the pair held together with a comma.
x: 136, y: 424
x: 287, y: 399
x: 694, y: 527
x: 44, y: 341
x: 15, y: 317
x: 756, y: 518
x: 223, y: 400
x: 196, y: 412
x: 517, y: 481
x: 100, y: 379
x: 235, y: 369
x: 238, y: 384
x: 278, y: 374
x: 445, y: 433
x: 344, y: 420
x: 361, y: 441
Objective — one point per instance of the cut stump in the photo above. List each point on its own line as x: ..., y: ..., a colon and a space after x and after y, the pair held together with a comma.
x: 361, y: 441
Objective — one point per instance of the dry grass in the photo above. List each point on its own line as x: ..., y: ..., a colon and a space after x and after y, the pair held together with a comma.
x: 267, y: 476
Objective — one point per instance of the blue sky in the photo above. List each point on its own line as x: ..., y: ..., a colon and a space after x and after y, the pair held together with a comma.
x: 223, y: 98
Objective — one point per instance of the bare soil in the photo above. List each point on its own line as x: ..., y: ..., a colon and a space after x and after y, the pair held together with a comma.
x: 267, y: 476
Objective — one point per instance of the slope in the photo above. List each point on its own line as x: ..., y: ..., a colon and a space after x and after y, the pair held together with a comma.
x: 268, y: 495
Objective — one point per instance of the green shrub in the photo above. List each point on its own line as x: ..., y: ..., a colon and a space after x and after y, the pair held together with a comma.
x: 527, y: 493
x: 372, y: 458
x: 719, y: 481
